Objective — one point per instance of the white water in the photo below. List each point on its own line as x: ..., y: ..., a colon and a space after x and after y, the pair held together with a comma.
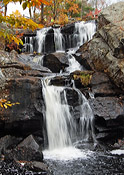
x: 73, y: 63
x: 31, y: 44
x: 28, y: 44
x: 57, y: 117
x: 1, y: 74
x: 61, y: 126
x: 38, y: 59
x: 67, y: 154
x: 41, y: 36
x: 63, y: 131
x: 58, y: 39
x: 84, y: 32
x: 117, y: 152
x: 86, y: 118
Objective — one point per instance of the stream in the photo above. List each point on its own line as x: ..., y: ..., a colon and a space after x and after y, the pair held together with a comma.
x: 71, y: 145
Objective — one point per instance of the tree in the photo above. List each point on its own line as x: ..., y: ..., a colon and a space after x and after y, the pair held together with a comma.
x: 98, y: 4
x: 34, y: 3
x: 9, y: 24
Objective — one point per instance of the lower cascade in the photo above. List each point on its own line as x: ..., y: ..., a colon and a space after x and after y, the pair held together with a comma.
x: 63, y: 131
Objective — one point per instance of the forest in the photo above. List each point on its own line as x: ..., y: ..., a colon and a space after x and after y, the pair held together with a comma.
x: 45, y: 13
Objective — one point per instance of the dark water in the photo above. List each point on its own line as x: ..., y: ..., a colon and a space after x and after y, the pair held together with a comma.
x: 98, y: 163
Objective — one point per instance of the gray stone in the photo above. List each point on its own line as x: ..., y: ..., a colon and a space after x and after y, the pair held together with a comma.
x: 29, y: 142
x: 107, y: 107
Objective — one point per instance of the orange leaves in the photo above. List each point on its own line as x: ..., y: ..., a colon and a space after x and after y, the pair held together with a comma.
x: 40, y: 26
x: 5, y: 104
x: 30, y: 3
x: 63, y: 19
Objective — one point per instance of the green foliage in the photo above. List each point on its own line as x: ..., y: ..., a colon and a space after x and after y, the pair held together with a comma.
x: 84, y: 77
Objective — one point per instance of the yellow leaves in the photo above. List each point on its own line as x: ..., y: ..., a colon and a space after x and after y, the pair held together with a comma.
x: 5, y: 104
x: 83, y: 77
x: 16, y: 13
x: 63, y: 19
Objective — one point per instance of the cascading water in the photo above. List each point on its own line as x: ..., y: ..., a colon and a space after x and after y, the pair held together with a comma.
x: 58, y: 40
x: 41, y: 36
x: 28, y: 44
x: 60, y: 123
x: 83, y: 32
x: 73, y: 64
x: 57, y: 116
x: 64, y: 130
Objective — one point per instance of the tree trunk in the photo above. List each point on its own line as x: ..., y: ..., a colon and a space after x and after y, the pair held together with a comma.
x: 42, y: 12
x: 54, y: 10
x: 34, y: 12
x: 5, y: 12
x: 96, y: 4
x: 30, y: 13
x: 81, y: 9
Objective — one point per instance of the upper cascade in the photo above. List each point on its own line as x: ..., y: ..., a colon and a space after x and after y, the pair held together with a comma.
x: 48, y: 40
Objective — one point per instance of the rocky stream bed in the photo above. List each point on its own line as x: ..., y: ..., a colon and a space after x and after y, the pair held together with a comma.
x: 22, y: 127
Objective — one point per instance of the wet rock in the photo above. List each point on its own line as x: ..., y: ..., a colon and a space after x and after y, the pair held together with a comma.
x: 15, y: 168
x: 107, y: 107
x: 82, y: 55
x: 55, y: 62
x: 28, y: 150
x: 61, y: 80
x: 68, y: 29
x: 7, y: 142
x: 29, y: 142
x: 26, y: 91
x: 37, y: 166
x: 49, y: 46
x: 106, y: 51
x: 102, y: 86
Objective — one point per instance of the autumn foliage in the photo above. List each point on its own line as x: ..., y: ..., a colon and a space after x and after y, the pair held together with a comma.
x: 5, y: 103
x: 50, y: 12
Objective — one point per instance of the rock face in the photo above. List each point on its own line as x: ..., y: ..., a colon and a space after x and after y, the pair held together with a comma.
x: 21, y: 126
x: 107, y: 48
x: 21, y: 79
x: 105, y: 56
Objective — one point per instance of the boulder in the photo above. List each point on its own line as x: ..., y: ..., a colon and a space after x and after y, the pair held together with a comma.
x: 27, y: 150
x: 36, y: 166
x: 26, y: 91
x: 68, y: 29
x: 8, y: 141
x: 106, y: 50
x: 55, y: 62
x: 23, y: 85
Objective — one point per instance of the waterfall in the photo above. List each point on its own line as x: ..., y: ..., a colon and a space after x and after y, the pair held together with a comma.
x: 41, y: 36
x: 83, y: 32
x: 1, y: 74
x: 73, y: 64
x: 86, y: 118
x: 38, y: 59
x: 58, y: 40
x: 60, y: 123
x: 28, y: 44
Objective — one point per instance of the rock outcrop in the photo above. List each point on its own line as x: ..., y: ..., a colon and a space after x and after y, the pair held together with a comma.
x: 21, y: 82
x: 106, y: 50
x: 104, y: 54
